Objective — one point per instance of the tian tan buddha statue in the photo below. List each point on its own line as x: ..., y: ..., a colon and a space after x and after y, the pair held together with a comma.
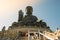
x: 29, y: 19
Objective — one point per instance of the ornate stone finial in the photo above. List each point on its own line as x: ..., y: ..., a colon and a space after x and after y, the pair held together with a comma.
x: 3, y: 29
x: 20, y: 17
x: 29, y: 10
x: 57, y: 28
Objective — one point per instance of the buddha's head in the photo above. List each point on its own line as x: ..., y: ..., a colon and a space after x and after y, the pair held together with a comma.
x: 29, y: 10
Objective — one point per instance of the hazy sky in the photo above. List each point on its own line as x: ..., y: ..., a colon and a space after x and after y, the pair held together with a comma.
x: 48, y: 10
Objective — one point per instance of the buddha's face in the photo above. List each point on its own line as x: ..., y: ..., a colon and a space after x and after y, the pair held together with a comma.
x: 29, y: 10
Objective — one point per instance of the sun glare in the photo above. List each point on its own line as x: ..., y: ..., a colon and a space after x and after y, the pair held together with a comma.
x: 7, y: 6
